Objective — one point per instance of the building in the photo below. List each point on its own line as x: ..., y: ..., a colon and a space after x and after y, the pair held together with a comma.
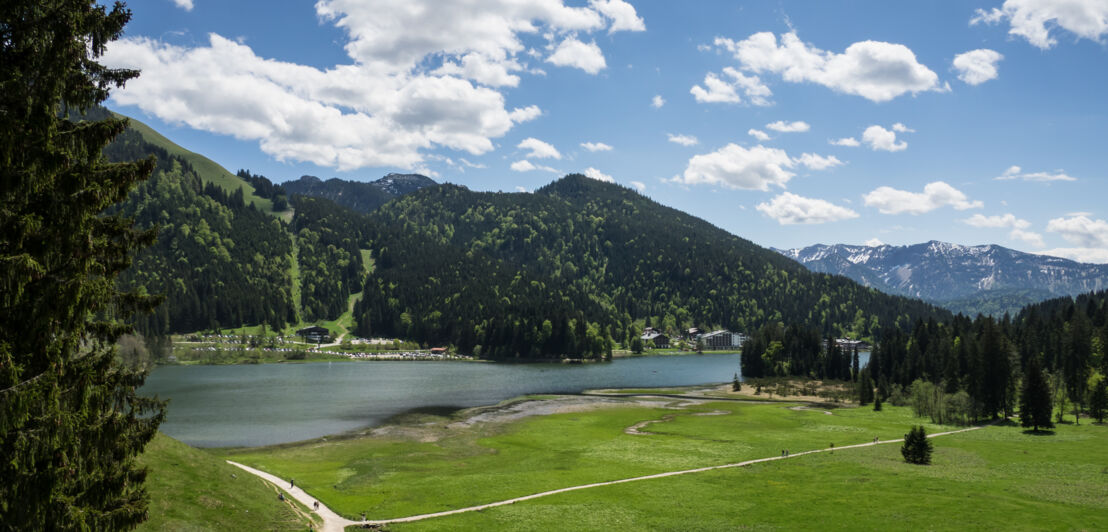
x: 722, y: 339
x: 652, y: 338
x: 693, y: 332
x: 314, y: 334
x: 438, y: 350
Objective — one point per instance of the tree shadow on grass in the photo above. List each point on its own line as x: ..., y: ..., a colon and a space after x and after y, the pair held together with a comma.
x: 1039, y: 432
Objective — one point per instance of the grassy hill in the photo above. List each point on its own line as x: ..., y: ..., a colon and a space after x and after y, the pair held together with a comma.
x: 209, y: 170
x: 193, y: 490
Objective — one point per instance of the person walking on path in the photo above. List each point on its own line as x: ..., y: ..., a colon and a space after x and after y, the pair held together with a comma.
x: 292, y: 482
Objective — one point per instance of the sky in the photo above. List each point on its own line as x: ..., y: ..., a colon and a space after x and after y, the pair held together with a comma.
x: 788, y: 123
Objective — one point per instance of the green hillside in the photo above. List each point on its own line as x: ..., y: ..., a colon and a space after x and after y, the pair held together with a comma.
x: 208, y: 170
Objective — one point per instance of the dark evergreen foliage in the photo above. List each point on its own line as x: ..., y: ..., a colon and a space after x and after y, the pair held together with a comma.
x: 1098, y: 400
x: 71, y: 424
x: 329, y: 240
x: 1035, y: 403
x: 917, y: 447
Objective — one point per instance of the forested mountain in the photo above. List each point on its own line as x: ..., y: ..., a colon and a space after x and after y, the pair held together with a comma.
x: 355, y: 195
x: 971, y: 279
x: 217, y: 260
x: 579, y: 262
x: 329, y: 241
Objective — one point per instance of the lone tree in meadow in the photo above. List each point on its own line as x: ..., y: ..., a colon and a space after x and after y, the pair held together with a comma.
x: 917, y: 448
x: 735, y: 384
x: 71, y: 424
x: 1035, y: 402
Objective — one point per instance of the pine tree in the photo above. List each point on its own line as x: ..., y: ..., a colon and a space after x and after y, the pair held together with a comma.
x: 917, y: 448
x: 877, y: 403
x: 735, y: 384
x: 1035, y: 403
x: 1098, y: 400
x: 71, y: 424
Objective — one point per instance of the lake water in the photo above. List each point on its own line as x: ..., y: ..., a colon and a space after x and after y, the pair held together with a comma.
x: 250, y: 405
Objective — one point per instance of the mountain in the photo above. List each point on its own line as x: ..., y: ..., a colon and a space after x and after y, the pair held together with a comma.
x: 355, y: 195
x: 987, y: 279
x: 580, y: 263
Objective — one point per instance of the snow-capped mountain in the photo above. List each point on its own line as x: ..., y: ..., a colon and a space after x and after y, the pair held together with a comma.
x: 988, y: 279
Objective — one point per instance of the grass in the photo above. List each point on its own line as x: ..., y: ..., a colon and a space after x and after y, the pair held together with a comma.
x: 393, y: 477
x: 998, y: 478
x: 193, y: 490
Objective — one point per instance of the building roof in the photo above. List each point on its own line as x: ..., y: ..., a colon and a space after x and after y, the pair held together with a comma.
x: 315, y: 329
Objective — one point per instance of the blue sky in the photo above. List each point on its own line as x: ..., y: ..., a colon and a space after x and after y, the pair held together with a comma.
x: 787, y: 123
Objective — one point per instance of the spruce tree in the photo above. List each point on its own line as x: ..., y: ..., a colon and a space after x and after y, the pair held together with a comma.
x: 1098, y: 400
x: 735, y: 384
x: 71, y: 424
x: 917, y: 448
x: 1035, y: 403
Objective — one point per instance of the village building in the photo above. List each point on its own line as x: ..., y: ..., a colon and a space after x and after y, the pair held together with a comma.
x: 722, y: 339
x: 652, y: 338
x: 314, y: 334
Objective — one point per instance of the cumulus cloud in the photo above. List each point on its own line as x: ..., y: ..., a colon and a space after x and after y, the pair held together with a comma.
x: 846, y: 141
x: 818, y: 162
x: 1036, y: 20
x: 523, y: 165
x: 719, y: 90
x: 622, y: 15
x: 901, y: 128
x: 423, y: 75
x: 977, y: 66
x: 184, y: 4
x: 935, y: 195
x: 574, y: 53
x: 877, y: 71
x: 596, y: 146
x: 539, y: 149
x: 789, y: 127
x: 593, y: 173
x: 1017, y: 227
x: 657, y: 102
x: 684, y: 140
x: 639, y: 185
x: 757, y: 168
x: 879, y: 138
x: 758, y: 134
x: 1014, y: 172
x: 789, y: 209
x: 874, y: 242
x: 1081, y: 231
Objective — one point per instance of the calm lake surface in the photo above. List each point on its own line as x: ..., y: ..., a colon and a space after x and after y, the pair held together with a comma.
x: 250, y: 405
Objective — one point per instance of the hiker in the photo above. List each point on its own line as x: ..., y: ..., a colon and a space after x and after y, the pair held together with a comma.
x: 832, y: 448
x: 316, y: 506
x: 292, y: 482
x: 281, y: 497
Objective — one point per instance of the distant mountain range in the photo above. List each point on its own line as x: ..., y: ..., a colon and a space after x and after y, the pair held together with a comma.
x: 356, y: 195
x: 986, y: 279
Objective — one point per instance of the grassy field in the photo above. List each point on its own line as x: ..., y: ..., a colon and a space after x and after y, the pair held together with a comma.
x: 393, y: 477
x: 193, y: 490
x: 980, y: 479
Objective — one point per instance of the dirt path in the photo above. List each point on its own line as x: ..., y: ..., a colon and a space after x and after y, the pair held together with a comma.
x: 331, y: 520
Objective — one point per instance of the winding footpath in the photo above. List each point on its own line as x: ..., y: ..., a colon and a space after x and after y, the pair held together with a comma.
x: 335, y: 522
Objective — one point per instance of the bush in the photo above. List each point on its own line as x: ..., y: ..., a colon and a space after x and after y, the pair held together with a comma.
x: 917, y: 448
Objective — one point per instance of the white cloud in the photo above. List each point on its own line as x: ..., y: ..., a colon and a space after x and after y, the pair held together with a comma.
x: 901, y: 128
x: 184, y: 4
x: 818, y: 162
x: 874, y: 242
x: 574, y: 53
x: 722, y: 91
x: 523, y: 165
x: 788, y: 209
x: 733, y: 166
x: 1017, y: 226
x: 879, y: 138
x: 1014, y: 172
x: 1007, y: 221
x: 657, y: 102
x: 977, y: 66
x: 539, y: 149
x: 1035, y: 20
x: 935, y: 195
x: 639, y: 185
x: 1088, y: 255
x: 622, y: 14
x: 789, y: 127
x: 596, y: 146
x: 684, y: 140
x: 522, y: 190
x: 846, y: 141
x: 593, y: 173
x: 758, y: 134
x: 1081, y: 231
x: 877, y: 71
x: 423, y: 75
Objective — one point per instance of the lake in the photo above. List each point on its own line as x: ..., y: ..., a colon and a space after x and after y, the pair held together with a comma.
x: 265, y: 404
